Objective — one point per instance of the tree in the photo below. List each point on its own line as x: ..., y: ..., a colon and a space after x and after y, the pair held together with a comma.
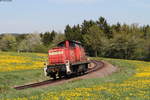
x: 73, y: 33
x: 8, y: 43
x: 53, y: 34
x: 32, y: 43
x: 123, y: 46
x: 146, y: 30
x: 86, y: 25
x: 69, y: 33
x: 147, y: 49
x: 48, y: 37
x: 94, y: 38
x: 58, y: 38
x: 116, y: 28
x: 20, y: 37
x: 77, y: 32
x: 103, y: 25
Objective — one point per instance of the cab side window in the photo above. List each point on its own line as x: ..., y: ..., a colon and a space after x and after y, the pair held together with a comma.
x: 79, y: 45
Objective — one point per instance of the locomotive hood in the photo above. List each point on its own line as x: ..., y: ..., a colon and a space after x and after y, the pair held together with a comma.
x: 56, y: 56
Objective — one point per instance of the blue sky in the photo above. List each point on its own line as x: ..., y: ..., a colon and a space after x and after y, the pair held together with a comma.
x: 21, y: 16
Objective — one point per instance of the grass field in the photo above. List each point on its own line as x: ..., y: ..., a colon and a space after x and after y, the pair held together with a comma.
x: 21, y: 61
x: 131, y: 82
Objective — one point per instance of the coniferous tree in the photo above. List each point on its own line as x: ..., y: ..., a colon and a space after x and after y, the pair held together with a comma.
x: 86, y: 25
x: 103, y: 25
x: 69, y: 33
x: 48, y: 37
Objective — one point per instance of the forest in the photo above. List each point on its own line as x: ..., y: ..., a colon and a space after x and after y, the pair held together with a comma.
x: 99, y: 38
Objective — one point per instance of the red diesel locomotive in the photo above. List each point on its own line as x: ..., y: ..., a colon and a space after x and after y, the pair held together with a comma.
x: 67, y: 58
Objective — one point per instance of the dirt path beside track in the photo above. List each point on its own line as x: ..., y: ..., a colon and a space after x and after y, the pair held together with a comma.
x: 102, y: 69
x: 105, y: 70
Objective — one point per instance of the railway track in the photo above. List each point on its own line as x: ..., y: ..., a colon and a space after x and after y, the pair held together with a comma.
x: 97, y: 65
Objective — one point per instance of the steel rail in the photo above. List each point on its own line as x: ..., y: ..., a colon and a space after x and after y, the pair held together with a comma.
x: 97, y: 65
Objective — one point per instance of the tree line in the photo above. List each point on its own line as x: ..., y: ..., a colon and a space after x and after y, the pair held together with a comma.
x: 98, y: 37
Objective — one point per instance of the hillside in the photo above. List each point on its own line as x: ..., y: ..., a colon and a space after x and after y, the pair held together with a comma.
x: 130, y: 82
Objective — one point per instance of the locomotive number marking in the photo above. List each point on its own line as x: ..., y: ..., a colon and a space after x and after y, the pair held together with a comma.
x: 56, y: 53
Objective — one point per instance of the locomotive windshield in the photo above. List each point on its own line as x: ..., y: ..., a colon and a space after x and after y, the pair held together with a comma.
x: 61, y: 44
x: 72, y: 44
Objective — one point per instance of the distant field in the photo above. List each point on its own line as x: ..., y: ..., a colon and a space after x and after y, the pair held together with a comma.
x: 132, y: 82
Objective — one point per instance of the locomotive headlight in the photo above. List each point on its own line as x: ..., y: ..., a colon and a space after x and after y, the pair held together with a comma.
x: 56, y: 53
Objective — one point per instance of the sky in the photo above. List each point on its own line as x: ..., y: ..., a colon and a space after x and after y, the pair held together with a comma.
x: 24, y: 16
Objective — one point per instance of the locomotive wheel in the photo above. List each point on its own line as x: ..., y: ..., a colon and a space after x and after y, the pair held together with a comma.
x: 85, y: 69
x: 82, y: 69
x: 83, y: 72
x: 67, y: 76
x: 53, y: 76
x: 60, y: 75
x: 80, y: 73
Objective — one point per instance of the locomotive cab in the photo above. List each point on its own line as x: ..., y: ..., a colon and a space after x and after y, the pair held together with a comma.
x: 67, y: 58
x: 68, y: 44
